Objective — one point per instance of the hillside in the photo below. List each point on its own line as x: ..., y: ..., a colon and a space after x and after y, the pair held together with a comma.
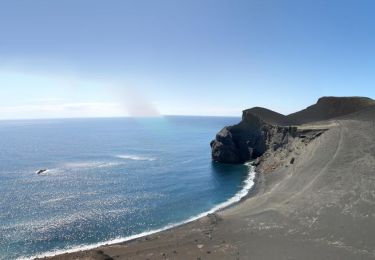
x: 329, y: 108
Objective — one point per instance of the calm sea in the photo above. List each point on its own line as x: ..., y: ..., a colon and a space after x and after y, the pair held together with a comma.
x: 107, y: 180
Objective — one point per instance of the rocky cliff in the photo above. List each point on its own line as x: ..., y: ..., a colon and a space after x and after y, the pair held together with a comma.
x: 249, y: 139
x: 261, y: 129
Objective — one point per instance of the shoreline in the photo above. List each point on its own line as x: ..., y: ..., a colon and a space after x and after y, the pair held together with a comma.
x: 246, y: 192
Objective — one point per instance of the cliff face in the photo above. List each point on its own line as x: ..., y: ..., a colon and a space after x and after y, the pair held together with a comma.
x: 249, y: 139
x: 261, y: 129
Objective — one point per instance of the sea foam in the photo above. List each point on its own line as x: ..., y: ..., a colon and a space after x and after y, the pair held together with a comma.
x: 90, y: 165
x: 135, y: 157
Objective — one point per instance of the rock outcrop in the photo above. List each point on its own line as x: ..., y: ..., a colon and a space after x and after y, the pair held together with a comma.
x: 249, y: 139
x: 262, y: 129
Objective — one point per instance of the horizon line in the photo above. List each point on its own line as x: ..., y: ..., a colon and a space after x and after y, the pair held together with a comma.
x: 112, y: 117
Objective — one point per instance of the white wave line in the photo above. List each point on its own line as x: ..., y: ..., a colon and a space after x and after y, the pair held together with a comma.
x: 135, y: 157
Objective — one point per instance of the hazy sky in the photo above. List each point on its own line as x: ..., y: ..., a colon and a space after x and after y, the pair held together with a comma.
x: 77, y: 58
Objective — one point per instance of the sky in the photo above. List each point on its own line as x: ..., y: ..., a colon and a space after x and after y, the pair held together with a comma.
x: 91, y: 58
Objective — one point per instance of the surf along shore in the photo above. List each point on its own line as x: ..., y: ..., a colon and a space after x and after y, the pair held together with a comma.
x: 314, y: 198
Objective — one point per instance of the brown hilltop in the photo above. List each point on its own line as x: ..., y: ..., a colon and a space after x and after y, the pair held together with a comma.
x: 266, y: 115
x: 326, y: 108
x: 330, y: 107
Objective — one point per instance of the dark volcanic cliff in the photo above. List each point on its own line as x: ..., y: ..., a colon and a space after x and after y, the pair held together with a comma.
x: 249, y: 139
x: 261, y: 129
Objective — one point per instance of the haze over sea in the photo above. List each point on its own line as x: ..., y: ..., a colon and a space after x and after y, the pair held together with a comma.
x: 107, y: 179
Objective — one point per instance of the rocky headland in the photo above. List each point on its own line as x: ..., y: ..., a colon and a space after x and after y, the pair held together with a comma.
x: 262, y: 130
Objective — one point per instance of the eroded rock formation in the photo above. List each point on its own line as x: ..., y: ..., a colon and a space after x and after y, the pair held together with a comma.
x: 249, y: 139
x: 262, y: 129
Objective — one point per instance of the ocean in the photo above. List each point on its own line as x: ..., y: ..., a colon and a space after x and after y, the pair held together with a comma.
x: 108, y: 180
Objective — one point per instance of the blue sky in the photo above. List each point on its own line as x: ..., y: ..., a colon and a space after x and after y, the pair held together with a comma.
x: 87, y: 58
